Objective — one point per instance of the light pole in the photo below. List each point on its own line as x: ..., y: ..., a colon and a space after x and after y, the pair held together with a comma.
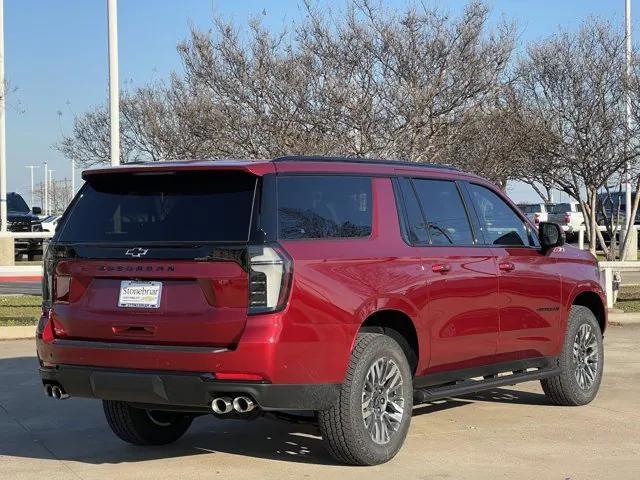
x: 45, y: 201
x: 3, y: 144
x: 31, y: 167
x: 627, y: 176
x: 51, y: 203
x: 114, y: 91
x: 73, y: 179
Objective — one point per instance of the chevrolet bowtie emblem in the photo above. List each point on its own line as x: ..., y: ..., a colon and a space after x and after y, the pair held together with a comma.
x: 136, y: 252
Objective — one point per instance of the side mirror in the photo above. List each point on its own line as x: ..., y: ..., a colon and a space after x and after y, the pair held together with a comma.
x: 551, y: 235
x: 36, y: 210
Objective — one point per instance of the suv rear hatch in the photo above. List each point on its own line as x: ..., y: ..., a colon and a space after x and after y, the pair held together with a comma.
x: 154, y: 257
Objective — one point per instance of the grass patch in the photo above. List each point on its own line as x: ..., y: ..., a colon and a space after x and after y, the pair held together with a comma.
x: 19, y: 310
x: 629, y: 299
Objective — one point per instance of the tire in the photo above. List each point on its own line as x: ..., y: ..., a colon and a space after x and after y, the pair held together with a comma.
x: 144, y: 427
x: 570, y: 387
x: 343, y: 427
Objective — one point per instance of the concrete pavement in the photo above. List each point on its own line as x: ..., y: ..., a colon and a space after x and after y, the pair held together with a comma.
x: 504, y: 433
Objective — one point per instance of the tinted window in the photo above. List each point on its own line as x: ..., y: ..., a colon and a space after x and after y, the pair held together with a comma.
x: 560, y: 208
x: 184, y: 206
x: 530, y: 208
x: 324, y: 207
x: 446, y: 218
x: 416, y: 231
x: 15, y: 203
x: 499, y: 223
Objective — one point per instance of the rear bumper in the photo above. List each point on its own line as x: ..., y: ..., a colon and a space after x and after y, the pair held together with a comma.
x: 190, y: 391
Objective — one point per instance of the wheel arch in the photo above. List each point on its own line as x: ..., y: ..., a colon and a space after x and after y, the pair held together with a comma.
x: 399, y: 326
x: 594, y: 302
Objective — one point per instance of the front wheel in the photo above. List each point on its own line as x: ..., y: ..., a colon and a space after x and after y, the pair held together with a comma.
x: 144, y: 427
x: 581, y: 361
x: 370, y: 420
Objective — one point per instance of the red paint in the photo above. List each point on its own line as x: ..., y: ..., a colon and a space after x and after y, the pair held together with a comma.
x: 21, y: 278
x: 469, y: 305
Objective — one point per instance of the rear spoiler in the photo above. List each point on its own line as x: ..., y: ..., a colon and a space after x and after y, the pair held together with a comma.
x: 254, y: 167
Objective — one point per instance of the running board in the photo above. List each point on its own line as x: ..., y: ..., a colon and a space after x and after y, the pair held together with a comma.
x: 465, y: 387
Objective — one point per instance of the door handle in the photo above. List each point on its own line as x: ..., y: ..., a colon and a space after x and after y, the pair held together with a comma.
x: 506, y: 266
x: 440, y: 267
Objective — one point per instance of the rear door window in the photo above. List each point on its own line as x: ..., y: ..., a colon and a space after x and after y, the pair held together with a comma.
x: 332, y: 206
x: 446, y: 218
x: 415, y: 231
x: 207, y: 206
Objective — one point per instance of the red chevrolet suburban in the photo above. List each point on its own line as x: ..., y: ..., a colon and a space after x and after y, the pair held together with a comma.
x: 340, y: 290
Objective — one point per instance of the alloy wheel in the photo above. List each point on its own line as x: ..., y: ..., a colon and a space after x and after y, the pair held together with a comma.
x: 383, y: 400
x: 585, y: 356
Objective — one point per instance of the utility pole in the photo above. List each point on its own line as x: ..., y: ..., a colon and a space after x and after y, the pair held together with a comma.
x: 3, y: 144
x: 114, y: 91
x: 45, y: 201
x: 627, y: 176
x: 51, y: 194
x: 73, y: 179
x: 31, y: 167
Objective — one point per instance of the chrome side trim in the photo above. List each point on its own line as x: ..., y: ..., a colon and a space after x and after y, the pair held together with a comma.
x: 137, y: 346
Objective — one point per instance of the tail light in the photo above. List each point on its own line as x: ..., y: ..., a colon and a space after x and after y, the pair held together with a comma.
x: 270, y: 275
x: 536, y: 218
x: 567, y: 218
x: 54, y: 287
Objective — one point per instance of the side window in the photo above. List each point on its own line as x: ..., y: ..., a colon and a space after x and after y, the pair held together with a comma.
x: 324, y: 207
x: 446, y: 218
x: 416, y: 231
x: 499, y: 223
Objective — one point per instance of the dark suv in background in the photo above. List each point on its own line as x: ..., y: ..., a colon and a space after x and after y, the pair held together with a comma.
x: 20, y: 218
x: 339, y: 290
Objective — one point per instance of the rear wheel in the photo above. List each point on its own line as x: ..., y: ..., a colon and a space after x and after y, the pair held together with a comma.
x: 581, y: 361
x: 370, y: 420
x: 144, y: 427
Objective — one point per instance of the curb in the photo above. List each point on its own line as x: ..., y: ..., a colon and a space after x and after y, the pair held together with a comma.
x: 21, y: 273
x: 624, y: 319
x: 18, y: 332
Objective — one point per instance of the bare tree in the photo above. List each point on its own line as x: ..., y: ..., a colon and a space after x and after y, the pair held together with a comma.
x: 573, y: 85
x: 365, y: 82
x: 59, y: 193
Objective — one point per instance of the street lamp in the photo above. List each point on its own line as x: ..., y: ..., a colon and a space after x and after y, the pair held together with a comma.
x: 114, y: 91
x: 31, y: 167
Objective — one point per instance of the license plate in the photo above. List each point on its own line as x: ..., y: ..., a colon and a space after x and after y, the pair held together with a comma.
x: 135, y: 294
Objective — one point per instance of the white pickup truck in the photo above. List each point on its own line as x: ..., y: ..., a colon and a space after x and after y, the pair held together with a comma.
x: 568, y: 215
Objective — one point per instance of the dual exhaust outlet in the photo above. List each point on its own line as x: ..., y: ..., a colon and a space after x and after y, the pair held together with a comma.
x: 55, y: 391
x: 224, y: 405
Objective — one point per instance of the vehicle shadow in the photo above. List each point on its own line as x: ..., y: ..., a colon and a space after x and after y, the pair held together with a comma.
x: 35, y: 426
x: 38, y: 427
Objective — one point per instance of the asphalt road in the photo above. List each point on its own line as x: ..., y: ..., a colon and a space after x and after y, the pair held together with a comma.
x: 21, y: 288
x: 504, y: 433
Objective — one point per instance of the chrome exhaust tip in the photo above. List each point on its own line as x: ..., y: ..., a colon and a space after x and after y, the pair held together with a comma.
x: 221, y: 405
x: 243, y: 404
x: 48, y: 390
x: 58, y: 393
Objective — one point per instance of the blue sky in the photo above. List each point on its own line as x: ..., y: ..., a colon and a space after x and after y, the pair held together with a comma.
x: 56, y: 56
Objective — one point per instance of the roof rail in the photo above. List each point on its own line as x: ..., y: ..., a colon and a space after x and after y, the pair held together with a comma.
x: 371, y: 161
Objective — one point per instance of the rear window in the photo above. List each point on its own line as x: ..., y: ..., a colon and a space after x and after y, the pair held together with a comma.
x: 529, y: 208
x: 210, y: 206
x: 324, y: 207
x: 560, y: 208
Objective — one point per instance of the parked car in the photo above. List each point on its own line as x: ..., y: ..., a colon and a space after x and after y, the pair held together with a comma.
x: 350, y: 289
x: 22, y: 219
x: 568, y: 216
x: 536, y: 212
x: 50, y: 223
